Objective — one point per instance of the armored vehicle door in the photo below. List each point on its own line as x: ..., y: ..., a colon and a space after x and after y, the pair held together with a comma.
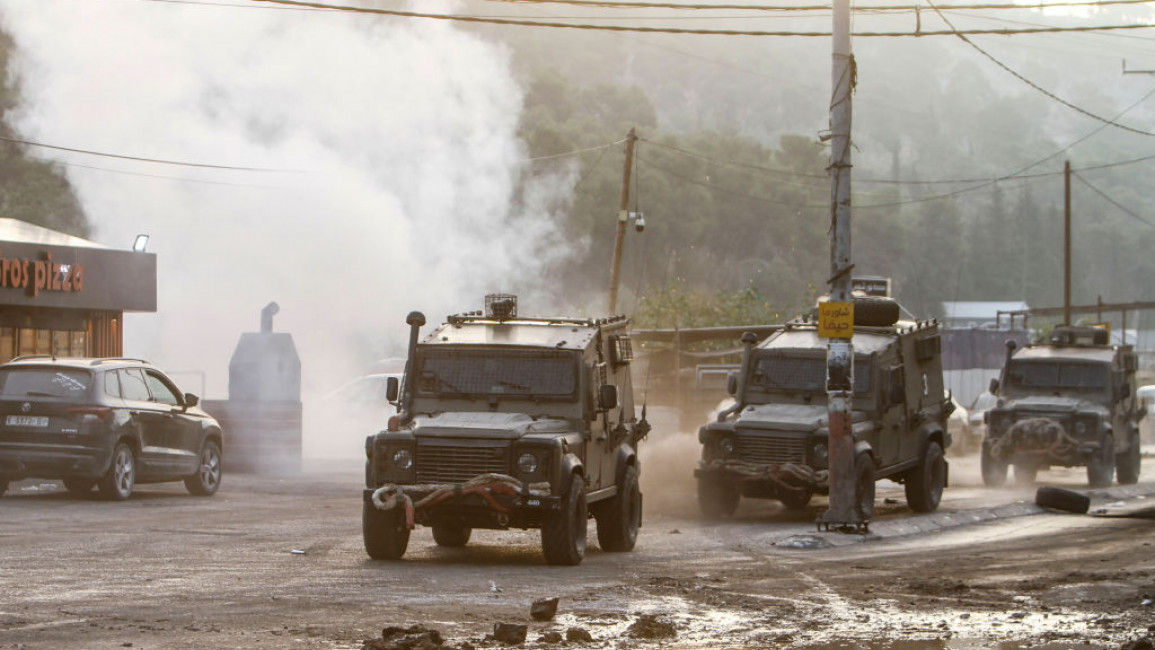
x: 894, y: 413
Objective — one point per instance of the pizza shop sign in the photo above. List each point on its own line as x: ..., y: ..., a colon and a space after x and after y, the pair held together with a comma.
x: 35, y: 276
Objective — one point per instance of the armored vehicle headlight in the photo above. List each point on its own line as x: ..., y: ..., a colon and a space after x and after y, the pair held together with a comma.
x: 403, y: 459
x: 727, y: 446
x: 527, y: 463
x: 1080, y: 428
x: 821, y: 453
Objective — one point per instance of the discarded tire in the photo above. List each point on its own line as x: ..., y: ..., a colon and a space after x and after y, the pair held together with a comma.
x: 875, y: 312
x: 1060, y: 499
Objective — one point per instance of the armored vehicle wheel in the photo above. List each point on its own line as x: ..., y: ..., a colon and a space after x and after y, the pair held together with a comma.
x: 1101, y: 466
x: 79, y: 486
x: 385, y: 533
x: 117, y: 483
x: 717, y: 500
x: 619, y: 520
x: 924, y: 483
x: 563, y: 533
x: 207, y: 479
x: 864, y: 486
x: 1025, y: 472
x: 994, y: 470
x: 1127, y: 463
x: 454, y: 536
x: 795, y: 500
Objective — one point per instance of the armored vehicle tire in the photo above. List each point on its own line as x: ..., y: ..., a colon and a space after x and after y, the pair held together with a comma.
x: 207, y: 479
x: 384, y: 531
x: 874, y: 311
x: 1060, y: 499
x: 994, y: 470
x: 117, y: 483
x: 563, y: 533
x: 864, y: 486
x: 620, y: 518
x: 79, y: 486
x: 924, y: 483
x: 454, y: 536
x: 1127, y: 463
x: 795, y: 500
x: 717, y: 500
x: 1026, y: 472
x: 1101, y: 466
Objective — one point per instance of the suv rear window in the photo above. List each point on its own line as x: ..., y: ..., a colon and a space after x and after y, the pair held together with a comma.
x: 44, y: 382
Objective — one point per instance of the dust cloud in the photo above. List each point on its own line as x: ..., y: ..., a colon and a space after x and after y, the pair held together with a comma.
x: 370, y: 166
x: 669, y: 456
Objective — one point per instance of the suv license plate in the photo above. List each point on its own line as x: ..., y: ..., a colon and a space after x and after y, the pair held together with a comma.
x: 26, y: 421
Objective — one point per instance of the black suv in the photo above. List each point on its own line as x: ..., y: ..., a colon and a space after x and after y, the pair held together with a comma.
x: 110, y: 423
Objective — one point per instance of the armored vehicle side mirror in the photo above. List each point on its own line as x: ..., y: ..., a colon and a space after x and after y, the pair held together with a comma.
x: 732, y: 384
x: 607, y: 397
x: 191, y: 400
x: 897, y: 394
x: 392, y: 388
x: 994, y: 387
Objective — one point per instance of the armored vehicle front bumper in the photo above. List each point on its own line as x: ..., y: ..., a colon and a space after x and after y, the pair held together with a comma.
x: 1047, y: 441
x: 764, y: 480
x: 492, y: 502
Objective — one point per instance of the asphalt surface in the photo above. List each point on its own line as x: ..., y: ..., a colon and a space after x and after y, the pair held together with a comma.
x: 277, y: 562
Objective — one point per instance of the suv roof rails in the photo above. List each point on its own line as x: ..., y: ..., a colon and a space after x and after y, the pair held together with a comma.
x: 26, y: 357
x: 98, y: 361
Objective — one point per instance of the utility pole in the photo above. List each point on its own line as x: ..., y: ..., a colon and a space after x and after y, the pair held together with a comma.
x: 1067, y: 243
x: 623, y: 218
x: 843, y: 512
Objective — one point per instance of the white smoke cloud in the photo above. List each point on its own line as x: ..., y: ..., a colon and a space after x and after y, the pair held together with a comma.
x: 396, y: 141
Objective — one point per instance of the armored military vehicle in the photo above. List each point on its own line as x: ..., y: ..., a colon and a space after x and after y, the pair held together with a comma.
x: 509, y: 422
x: 1068, y: 402
x: 772, y: 444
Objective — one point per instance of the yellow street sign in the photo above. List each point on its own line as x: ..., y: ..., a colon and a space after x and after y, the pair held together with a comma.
x: 836, y: 320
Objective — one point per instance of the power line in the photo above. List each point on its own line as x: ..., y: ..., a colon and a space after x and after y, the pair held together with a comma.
x: 700, y: 32
x: 105, y: 154
x: 1031, y: 83
x: 1113, y: 202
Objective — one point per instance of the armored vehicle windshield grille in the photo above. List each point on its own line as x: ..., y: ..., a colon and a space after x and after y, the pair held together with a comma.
x: 1054, y: 374
x: 459, y: 462
x: 500, y: 372
x: 771, y: 449
x: 788, y: 373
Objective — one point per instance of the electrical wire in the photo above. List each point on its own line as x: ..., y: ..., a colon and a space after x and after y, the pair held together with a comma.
x: 105, y: 154
x: 1113, y: 202
x: 1030, y: 83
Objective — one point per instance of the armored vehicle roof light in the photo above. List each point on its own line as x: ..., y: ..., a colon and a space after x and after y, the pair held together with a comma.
x: 501, y: 306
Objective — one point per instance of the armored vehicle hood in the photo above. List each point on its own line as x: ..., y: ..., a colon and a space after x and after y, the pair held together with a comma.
x: 456, y: 424
x: 1053, y: 404
x: 789, y: 417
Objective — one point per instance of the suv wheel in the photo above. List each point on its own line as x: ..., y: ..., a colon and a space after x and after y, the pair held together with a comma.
x: 1101, y: 466
x: 717, y: 500
x: 117, y: 483
x: 864, y: 486
x: 1127, y: 463
x: 994, y: 469
x: 79, y: 486
x: 563, y: 533
x: 1026, y: 471
x: 453, y: 536
x: 925, y: 482
x: 207, y: 479
x: 619, y: 520
x: 386, y: 535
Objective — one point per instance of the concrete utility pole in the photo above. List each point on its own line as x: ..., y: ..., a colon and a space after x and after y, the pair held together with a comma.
x: 843, y: 511
x: 1067, y: 243
x: 623, y: 218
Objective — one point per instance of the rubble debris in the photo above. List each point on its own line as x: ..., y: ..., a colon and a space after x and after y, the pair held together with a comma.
x: 578, y: 635
x: 1145, y: 643
x: 651, y: 626
x: 413, y: 637
x: 551, y: 637
x: 510, y: 633
x: 544, y: 609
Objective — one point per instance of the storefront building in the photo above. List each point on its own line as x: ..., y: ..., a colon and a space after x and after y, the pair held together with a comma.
x: 66, y: 296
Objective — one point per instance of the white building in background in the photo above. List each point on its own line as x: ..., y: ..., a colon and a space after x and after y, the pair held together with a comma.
x: 979, y: 314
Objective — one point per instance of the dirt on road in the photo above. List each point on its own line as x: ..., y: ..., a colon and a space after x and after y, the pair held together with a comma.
x: 278, y: 562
